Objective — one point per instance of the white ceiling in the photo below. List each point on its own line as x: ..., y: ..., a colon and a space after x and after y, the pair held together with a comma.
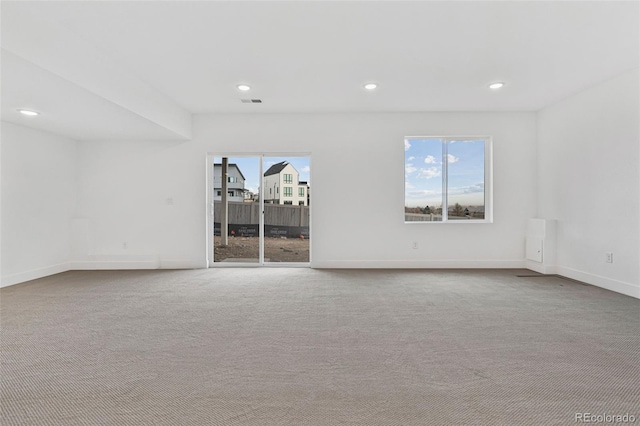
x: 309, y: 56
x: 67, y: 109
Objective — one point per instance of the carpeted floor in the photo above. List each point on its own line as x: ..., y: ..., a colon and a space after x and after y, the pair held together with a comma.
x: 315, y: 347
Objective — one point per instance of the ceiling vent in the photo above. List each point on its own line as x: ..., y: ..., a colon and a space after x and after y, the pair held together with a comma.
x: 251, y: 101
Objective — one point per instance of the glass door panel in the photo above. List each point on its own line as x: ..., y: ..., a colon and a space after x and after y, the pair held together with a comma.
x: 286, y: 209
x: 236, y: 209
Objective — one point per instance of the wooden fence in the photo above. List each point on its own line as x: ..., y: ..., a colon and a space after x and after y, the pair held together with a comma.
x: 274, y: 214
x: 419, y: 217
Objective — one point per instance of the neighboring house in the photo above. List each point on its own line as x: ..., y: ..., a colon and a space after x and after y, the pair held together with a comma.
x: 249, y: 197
x: 235, y: 183
x: 281, y: 185
x: 303, y: 188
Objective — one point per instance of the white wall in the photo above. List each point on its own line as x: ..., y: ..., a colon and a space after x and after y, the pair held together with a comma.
x: 125, y: 218
x: 588, y: 179
x: 38, y: 203
x: 92, y: 205
x: 124, y: 187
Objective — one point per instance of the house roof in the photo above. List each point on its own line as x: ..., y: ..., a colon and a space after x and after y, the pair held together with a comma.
x: 276, y: 168
x: 232, y: 165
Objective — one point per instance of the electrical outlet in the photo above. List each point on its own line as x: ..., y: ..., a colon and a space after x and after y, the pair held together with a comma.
x: 609, y: 257
x: 415, y: 245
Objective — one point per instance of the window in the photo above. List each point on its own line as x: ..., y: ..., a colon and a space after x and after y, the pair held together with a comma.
x: 447, y: 179
x: 288, y: 191
x: 218, y: 193
x: 301, y: 203
x: 287, y: 178
x: 231, y: 193
x: 301, y: 192
x: 288, y: 202
x: 232, y: 179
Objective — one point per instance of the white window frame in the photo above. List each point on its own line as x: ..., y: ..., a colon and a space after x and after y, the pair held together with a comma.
x: 488, y: 179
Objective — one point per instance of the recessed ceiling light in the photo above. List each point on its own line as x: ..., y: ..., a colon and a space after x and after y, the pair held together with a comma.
x: 243, y: 87
x: 370, y: 86
x: 28, y: 112
x: 496, y: 85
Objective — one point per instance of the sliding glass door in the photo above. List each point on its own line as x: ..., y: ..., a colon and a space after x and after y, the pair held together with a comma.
x: 260, y: 210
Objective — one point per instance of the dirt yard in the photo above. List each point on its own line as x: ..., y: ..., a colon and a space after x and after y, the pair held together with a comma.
x: 275, y: 249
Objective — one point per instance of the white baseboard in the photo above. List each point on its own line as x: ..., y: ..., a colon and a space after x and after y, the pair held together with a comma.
x: 418, y: 264
x: 34, y: 274
x: 182, y: 264
x: 599, y: 281
x: 136, y: 262
x: 101, y: 265
x: 106, y: 262
x: 540, y: 268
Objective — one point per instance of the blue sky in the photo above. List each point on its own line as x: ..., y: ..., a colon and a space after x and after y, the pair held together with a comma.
x: 250, y: 167
x: 423, y: 172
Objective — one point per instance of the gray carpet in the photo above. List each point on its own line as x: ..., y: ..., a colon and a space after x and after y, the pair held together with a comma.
x: 315, y: 347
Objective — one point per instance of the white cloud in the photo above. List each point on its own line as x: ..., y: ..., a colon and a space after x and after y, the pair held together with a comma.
x: 411, y: 158
x: 429, y: 173
x: 408, y: 185
x: 409, y: 168
x: 472, y: 189
x: 407, y: 145
x: 478, y: 187
x: 305, y: 169
x: 452, y: 158
x: 430, y: 159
